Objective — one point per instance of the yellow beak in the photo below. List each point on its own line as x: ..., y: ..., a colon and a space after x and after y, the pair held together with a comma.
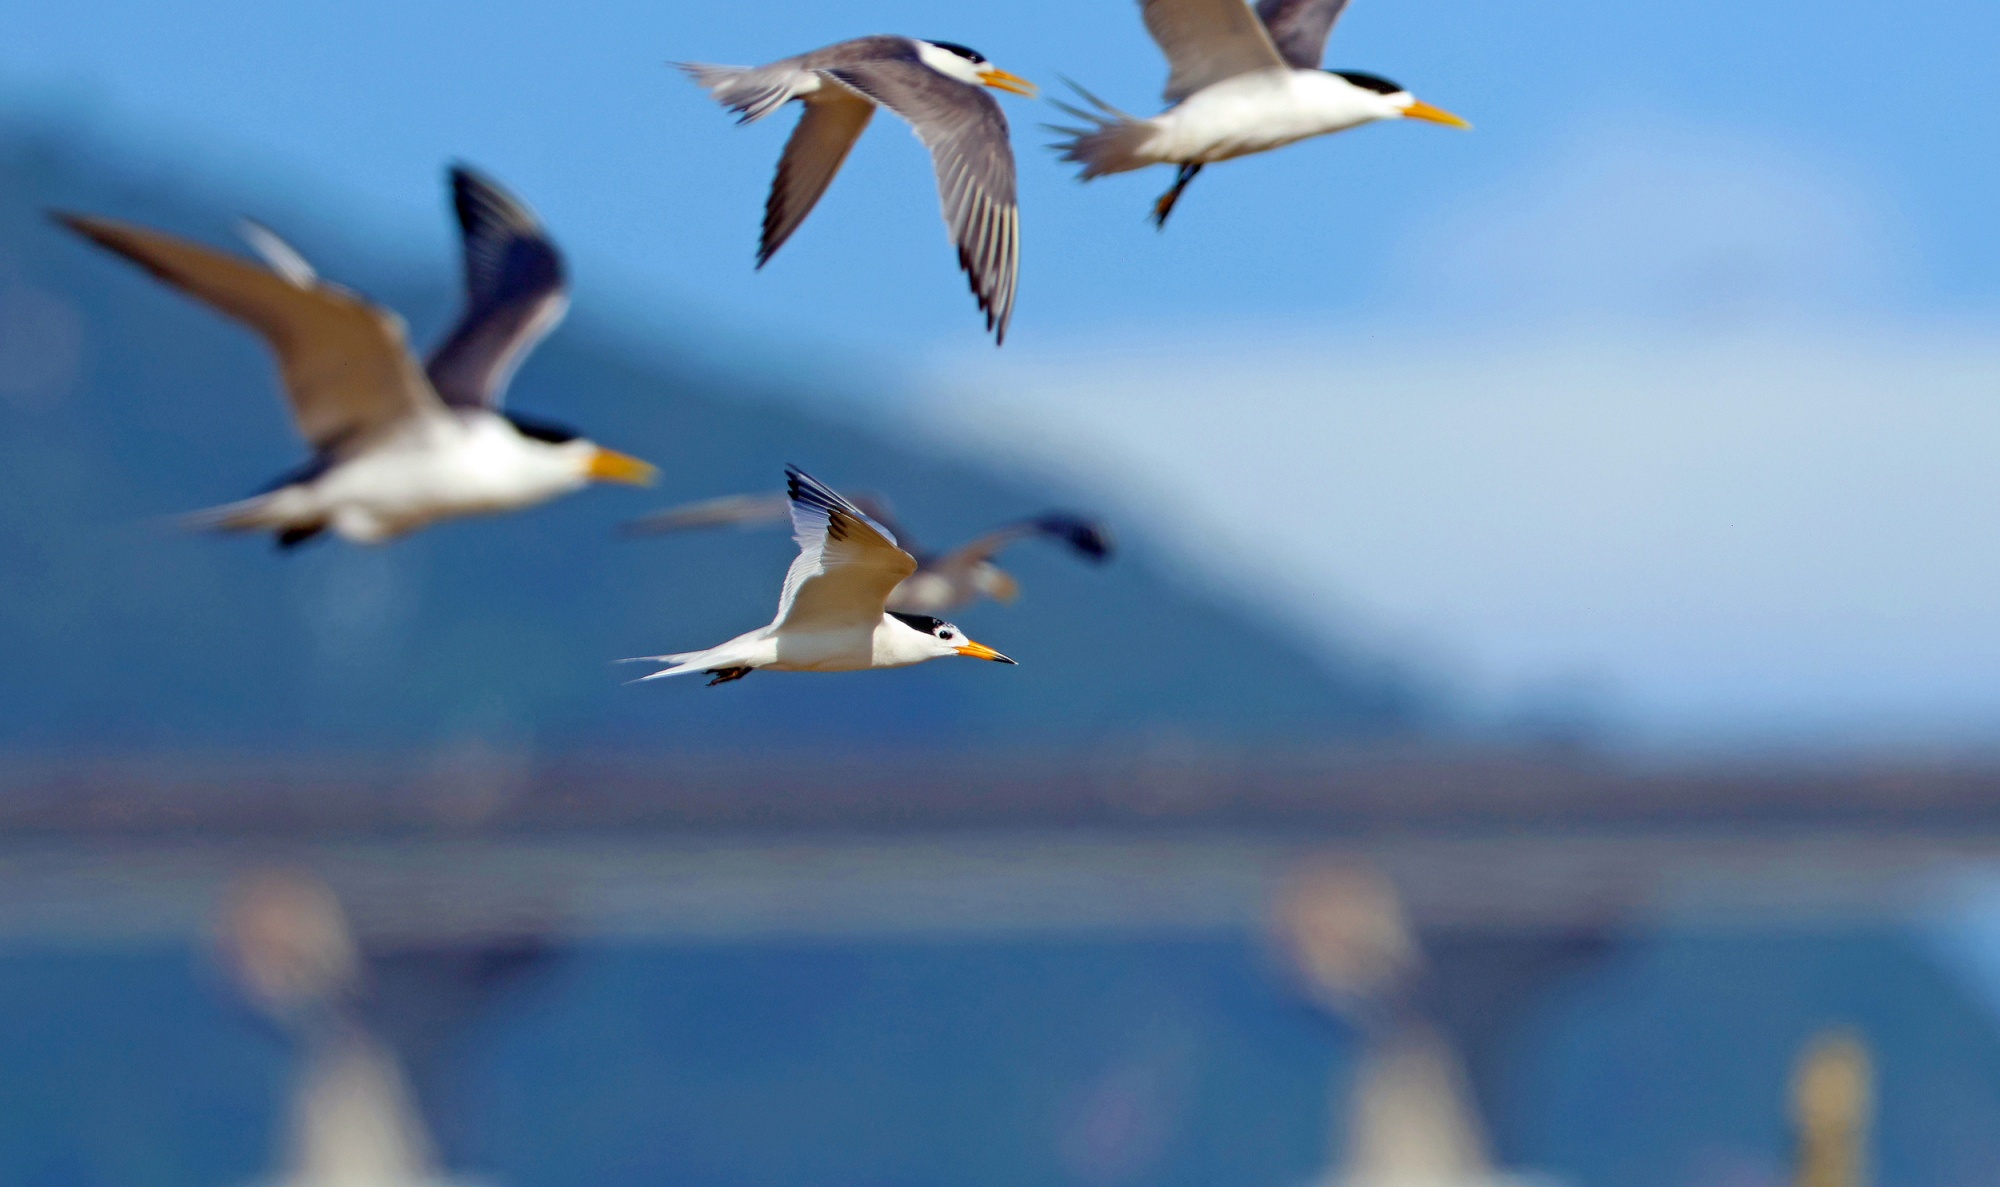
x: 1421, y: 110
x: 1001, y: 80
x: 981, y: 651
x: 608, y: 465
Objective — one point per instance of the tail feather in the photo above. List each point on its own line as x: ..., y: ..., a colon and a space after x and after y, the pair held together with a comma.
x: 753, y: 92
x: 682, y: 662
x: 1112, y: 141
x: 245, y: 515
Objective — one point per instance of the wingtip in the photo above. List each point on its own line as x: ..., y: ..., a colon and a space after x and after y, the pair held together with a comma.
x: 81, y: 224
x: 465, y: 175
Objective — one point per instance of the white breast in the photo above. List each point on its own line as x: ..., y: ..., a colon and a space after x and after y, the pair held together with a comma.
x: 440, y: 467
x: 1257, y: 112
x: 823, y: 651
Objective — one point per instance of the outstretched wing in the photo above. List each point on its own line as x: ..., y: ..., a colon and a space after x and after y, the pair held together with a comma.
x: 743, y: 511
x: 966, y: 132
x: 846, y: 566
x: 345, y: 362
x: 1299, y: 28
x: 1208, y: 41
x: 1085, y: 537
x: 515, y: 293
x: 833, y: 121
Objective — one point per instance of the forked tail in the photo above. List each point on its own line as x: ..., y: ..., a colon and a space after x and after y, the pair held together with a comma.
x: 256, y: 514
x: 681, y: 663
x: 245, y: 515
x: 752, y: 92
x: 1113, y: 142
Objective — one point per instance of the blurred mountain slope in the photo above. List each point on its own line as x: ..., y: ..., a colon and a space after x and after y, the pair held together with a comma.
x: 122, y: 404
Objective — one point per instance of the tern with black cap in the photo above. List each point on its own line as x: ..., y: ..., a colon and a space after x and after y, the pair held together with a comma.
x: 396, y: 445
x: 1241, y: 82
x: 833, y: 615
x: 937, y: 87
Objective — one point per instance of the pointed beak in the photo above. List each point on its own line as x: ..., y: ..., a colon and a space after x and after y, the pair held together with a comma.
x: 607, y: 465
x: 973, y: 650
x: 1001, y: 80
x: 1421, y: 110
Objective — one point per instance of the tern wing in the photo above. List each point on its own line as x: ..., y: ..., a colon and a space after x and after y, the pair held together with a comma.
x: 876, y: 507
x: 743, y: 511
x: 515, y: 293
x: 1085, y: 537
x: 346, y: 363
x: 1208, y: 41
x: 1299, y: 28
x: 834, y: 120
x: 966, y: 132
x: 846, y: 566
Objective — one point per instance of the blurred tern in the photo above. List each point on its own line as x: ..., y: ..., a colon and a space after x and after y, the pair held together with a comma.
x: 943, y: 582
x: 395, y: 448
x: 833, y: 615
x: 935, y: 85
x: 353, y: 1119
x: 1240, y: 83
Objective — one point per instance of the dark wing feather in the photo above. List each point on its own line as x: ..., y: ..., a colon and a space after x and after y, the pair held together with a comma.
x: 833, y: 121
x: 515, y: 293
x: 1299, y: 28
x: 966, y: 132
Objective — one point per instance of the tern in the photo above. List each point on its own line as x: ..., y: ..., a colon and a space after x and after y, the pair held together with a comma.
x: 943, y: 582
x: 935, y: 85
x: 395, y: 446
x: 1241, y: 82
x: 833, y: 615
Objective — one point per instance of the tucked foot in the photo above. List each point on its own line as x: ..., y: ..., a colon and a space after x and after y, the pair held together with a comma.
x: 1165, y: 206
x: 291, y: 538
x: 725, y: 675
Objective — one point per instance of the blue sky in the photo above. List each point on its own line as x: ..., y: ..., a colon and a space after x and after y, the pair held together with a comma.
x: 1700, y: 266
x: 656, y: 189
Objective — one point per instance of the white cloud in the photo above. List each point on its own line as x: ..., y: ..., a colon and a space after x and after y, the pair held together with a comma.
x: 1635, y: 218
x: 1758, y: 532
x: 1669, y: 446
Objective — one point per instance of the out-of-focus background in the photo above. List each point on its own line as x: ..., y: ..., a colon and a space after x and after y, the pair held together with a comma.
x: 1538, y: 726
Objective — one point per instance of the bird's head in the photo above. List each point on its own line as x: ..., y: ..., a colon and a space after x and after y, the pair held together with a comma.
x: 995, y: 582
x: 941, y: 638
x: 969, y: 65
x: 585, y: 458
x: 1395, y: 101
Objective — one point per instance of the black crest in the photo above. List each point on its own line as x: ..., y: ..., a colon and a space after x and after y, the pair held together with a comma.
x: 541, y: 430
x: 1369, y: 82
x: 963, y: 51
x: 923, y: 622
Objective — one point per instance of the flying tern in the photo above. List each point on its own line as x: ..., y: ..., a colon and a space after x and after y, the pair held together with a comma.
x: 1241, y: 82
x: 833, y: 615
x: 936, y: 86
x: 396, y: 446
x: 943, y: 582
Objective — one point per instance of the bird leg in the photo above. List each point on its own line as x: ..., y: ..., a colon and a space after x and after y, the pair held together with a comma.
x: 725, y: 675
x: 1165, y: 206
x: 290, y: 538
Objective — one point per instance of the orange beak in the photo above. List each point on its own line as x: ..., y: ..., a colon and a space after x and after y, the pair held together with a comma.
x: 1421, y: 110
x: 608, y: 465
x: 1001, y: 80
x: 973, y: 650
